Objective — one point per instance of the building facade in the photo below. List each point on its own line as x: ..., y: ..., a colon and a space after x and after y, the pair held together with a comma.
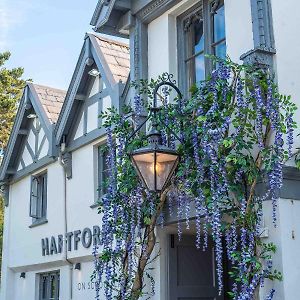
x: 54, y: 163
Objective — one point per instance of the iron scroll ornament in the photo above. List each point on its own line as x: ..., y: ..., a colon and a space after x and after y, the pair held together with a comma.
x: 167, y: 80
x: 156, y: 163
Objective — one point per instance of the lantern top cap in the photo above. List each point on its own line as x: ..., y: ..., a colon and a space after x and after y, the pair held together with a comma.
x: 155, y: 148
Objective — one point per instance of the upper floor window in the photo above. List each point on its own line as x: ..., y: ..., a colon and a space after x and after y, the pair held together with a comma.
x: 203, y: 32
x: 38, y: 197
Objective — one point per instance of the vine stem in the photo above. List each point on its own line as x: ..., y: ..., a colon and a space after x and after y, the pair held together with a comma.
x: 144, y: 256
x: 258, y: 163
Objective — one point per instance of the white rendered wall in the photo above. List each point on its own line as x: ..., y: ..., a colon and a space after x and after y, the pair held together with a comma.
x: 27, y: 240
x: 158, y: 50
x: 238, y: 28
x: 286, y: 24
x: 81, y: 195
x: 286, y: 237
x: 92, y: 117
x: 79, y: 130
x: 7, y: 276
x: 287, y: 63
x: 22, y: 245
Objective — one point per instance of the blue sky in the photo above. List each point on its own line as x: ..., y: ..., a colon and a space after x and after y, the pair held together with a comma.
x: 45, y: 36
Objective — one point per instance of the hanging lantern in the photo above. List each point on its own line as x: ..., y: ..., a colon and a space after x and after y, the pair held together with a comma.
x: 156, y: 163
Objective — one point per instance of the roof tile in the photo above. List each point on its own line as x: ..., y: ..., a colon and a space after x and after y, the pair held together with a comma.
x: 116, y: 55
x: 51, y: 99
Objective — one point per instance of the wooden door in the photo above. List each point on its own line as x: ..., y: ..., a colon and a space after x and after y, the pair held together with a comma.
x: 192, y: 274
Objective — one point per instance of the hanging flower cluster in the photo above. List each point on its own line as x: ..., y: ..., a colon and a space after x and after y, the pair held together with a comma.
x: 233, y: 139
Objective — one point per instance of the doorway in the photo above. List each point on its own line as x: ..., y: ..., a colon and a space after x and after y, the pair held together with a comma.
x: 192, y: 274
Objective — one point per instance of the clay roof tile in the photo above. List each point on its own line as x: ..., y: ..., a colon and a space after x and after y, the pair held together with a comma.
x: 51, y: 99
x: 117, y: 57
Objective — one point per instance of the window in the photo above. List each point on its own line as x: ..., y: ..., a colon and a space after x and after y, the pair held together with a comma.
x: 102, y: 172
x: 203, y: 31
x: 49, y: 286
x: 38, y: 197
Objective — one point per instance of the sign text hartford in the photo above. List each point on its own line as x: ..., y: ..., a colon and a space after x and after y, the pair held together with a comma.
x: 87, y: 236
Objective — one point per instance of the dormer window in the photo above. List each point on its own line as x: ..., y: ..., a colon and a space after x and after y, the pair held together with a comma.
x: 38, y: 198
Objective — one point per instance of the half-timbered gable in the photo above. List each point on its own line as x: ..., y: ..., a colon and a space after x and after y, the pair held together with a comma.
x: 97, y: 84
x: 31, y: 143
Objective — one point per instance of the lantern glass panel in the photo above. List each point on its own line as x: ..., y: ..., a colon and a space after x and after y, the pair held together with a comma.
x: 155, y: 168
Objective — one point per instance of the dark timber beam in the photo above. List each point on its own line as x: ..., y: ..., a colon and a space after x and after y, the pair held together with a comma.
x: 23, y: 132
x: 80, y: 97
x: 10, y: 171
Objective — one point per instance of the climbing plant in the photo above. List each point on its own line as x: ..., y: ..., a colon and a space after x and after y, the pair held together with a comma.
x: 236, y: 132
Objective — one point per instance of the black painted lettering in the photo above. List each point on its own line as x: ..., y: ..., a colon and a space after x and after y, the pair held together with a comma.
x: 53, y: 248
x: 86, y: 237
x: 60, y: 243
x: 69, y: 240
x: 76, y: 238
x: 45, y: 246
x: 96, y: 235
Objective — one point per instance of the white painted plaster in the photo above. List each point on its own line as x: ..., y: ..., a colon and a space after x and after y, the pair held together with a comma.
x: 92, y: 117
x: 20, y: 167
x: 45, y: 149
x: 31, y: 139
x: 238, y: 27
x: 95, y: 86
x: 158, y: 46
x: 286, y: 26
x: 27, y: 157
x: 29, y: 239
x: 106, y: 103
x: 41, y: 135
x: 286, y: 236
x: 79, y: 131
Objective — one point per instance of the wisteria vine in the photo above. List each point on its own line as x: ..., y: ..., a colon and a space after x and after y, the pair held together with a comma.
x: 237, y: 134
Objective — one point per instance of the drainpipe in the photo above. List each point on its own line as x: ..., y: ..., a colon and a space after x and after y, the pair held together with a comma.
x: 63, y: 162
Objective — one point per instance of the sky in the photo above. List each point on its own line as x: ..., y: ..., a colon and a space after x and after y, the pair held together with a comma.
x: 45, y: 37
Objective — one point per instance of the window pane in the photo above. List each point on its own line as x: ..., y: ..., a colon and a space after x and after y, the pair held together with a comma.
x: 198, y: 37
x: 199, y: 68
x: 58, y: 285
x: 220, y: 50
x: 102, y: 171
x: 44, y: 195
x: 44, y: 287
x: 219, y: 24
x: 49, y: 286
x: 190, y: 68
x: 105, y: 173
x: 34, y: 198
x: 52, y: 287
